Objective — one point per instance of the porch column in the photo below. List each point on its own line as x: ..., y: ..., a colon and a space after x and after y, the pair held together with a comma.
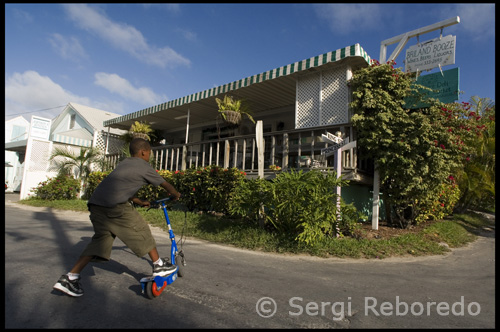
x: 227, y: 150
x: 259, y: 137
x: 184, y: 157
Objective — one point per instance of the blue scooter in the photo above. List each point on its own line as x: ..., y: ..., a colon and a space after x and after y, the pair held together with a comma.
x: 154, y: 286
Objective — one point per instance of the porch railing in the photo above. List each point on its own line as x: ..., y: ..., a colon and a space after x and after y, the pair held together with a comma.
x: 286, y: 149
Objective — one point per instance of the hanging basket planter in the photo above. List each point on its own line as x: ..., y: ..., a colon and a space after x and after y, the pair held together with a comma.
x: 141, y: 135
x: 232, y: 117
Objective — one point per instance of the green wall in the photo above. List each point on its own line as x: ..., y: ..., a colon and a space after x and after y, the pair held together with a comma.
x: 362, y: 197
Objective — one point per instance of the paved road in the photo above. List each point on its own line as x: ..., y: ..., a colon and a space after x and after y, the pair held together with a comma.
x: 225, y: 287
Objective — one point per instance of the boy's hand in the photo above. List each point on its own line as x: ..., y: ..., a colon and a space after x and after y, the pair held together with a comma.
x: 140, y: 202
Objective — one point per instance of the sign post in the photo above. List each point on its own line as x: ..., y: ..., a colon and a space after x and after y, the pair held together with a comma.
x: 401, y: 40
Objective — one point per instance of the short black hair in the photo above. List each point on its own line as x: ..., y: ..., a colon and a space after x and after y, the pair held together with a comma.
x: 138, y: 144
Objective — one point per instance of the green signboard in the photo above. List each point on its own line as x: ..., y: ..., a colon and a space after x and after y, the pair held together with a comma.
x: 444, y: 87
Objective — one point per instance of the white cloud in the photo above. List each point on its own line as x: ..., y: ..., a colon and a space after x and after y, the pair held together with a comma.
x: 116, y: 84
x: 123, y: 37
x: 346, y: 18
x: 30, y: 91
x: 68, y: 48
x: 188, y: 35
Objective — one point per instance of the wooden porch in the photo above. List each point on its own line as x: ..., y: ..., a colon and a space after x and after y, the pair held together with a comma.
x: 292, y: 149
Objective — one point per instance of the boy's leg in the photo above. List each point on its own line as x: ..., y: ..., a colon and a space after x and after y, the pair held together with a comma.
x: 153, y: 254
x: 80, y: 264
x: 67, y: 282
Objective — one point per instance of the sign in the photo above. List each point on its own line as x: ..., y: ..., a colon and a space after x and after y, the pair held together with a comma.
x: 332, y: 139
x: 431, y: 54
x: 445, y: 87
x: 40, y: 127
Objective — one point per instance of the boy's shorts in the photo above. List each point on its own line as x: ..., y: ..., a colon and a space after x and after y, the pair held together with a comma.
x: 122, y: 221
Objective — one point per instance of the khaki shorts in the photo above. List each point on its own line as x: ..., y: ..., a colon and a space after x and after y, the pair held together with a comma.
x: 122, y: 221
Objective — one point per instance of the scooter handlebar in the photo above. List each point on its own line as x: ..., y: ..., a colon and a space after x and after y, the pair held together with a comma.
x: 156, y: 204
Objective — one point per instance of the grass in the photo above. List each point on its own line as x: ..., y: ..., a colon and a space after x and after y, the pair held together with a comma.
x: 455, y: 232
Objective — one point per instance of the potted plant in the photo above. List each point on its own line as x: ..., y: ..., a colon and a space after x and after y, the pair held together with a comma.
x: 231, y: 110
x: 140, y: 130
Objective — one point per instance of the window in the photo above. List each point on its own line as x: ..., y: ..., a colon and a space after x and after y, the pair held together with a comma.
x: 72, y: 121
x: 18, y: 133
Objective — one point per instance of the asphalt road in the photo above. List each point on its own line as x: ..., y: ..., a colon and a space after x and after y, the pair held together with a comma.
x: 225, y: 287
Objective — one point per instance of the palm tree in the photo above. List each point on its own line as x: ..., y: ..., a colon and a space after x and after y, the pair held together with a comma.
x: 477, y: 179
x: 80, y: 163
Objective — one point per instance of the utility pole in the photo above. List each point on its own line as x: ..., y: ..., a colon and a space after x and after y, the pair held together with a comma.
x: 401, y: 40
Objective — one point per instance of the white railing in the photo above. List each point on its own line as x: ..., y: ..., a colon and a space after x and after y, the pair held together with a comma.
x: 286, y: 149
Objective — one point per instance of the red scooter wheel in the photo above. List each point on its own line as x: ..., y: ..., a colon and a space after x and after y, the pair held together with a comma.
x: 152, y: 290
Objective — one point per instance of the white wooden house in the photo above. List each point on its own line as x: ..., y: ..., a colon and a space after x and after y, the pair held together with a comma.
x: 75, y: 127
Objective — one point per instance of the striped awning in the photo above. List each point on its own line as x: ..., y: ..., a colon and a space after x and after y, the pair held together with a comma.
x: 277, y: 73
x: 71, y: 140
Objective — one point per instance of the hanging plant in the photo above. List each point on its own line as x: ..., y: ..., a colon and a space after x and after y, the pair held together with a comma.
x: 231, y: 110
x: 138, y: 130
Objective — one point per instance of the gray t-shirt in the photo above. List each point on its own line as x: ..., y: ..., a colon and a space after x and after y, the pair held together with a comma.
x: 124, y: 182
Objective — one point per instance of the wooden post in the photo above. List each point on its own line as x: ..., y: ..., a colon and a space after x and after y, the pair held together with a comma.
x: 259, y: 136
x: 284, y: 164
x: 227, y: 150
x: 376, y: 199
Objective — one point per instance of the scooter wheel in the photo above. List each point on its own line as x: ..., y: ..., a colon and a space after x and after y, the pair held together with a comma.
x: 152, y: 290
x: 180, y: 266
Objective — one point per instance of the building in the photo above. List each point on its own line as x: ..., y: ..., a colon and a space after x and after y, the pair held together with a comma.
x: 16, y: 130
x: 75, y: 127
x: 297, y: 105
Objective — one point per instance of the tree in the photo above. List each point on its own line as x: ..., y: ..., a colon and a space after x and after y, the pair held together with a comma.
x: 416, y: 150
x: 67, y: 161
x: 477, y: 179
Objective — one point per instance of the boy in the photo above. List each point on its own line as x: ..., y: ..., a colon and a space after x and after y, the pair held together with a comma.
x: 112, y: 215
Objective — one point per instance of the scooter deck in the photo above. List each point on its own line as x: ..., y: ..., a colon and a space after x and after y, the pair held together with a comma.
x: 159, y: 279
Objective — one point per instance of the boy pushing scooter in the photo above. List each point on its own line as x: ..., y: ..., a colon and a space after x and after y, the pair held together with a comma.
x: 112, y: 215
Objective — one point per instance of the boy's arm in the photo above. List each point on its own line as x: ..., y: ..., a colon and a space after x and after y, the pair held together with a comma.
x: 139, y: 201
x: 171, y: 190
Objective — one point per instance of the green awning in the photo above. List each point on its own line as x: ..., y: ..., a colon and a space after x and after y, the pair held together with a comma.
x: 306, y: 64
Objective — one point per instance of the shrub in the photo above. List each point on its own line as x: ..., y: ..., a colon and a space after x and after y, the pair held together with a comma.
x: 93, y: 180
x: 62, y: 187
x: 207, y: 188
x: 440, y: 203
x: 248, y: 199
x: 300, y: 205
x: 152, y: 193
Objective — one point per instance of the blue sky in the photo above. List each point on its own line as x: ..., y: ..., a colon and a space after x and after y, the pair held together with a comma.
x: 123, y: 58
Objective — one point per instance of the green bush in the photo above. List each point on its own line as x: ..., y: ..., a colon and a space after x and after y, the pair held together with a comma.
x: 248, y: 199
x: 207, y: 188
x: 440, y: 203
x: 93, y: 180
x: 62, y: 187
x: 152, y: 193
x: 300, y: 205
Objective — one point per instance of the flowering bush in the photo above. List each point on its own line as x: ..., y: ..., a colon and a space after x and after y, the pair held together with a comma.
x: 415, y: 150
x: 441, y: 202
x: 62, y: 187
